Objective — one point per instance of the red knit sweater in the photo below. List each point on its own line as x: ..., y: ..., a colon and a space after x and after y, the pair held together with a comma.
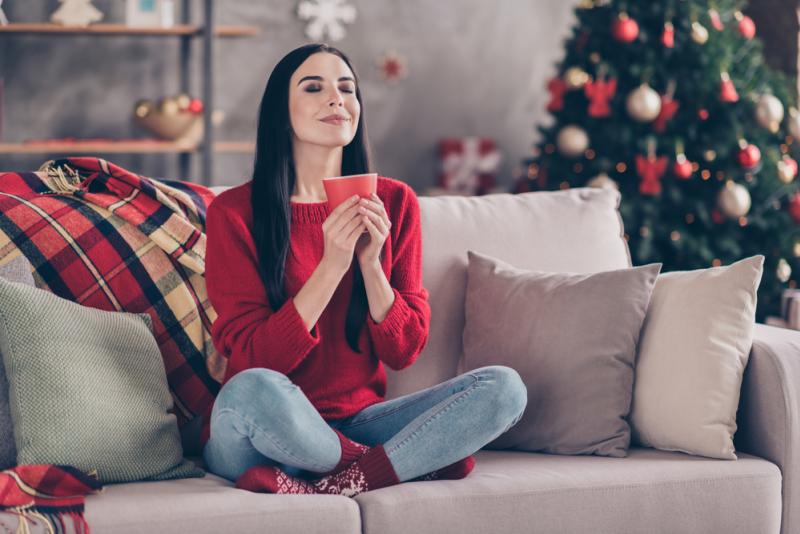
x: 337, y: 381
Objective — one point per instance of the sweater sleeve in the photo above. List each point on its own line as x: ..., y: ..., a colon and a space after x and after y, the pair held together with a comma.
x: 399, y: 338
x: 246, y: 330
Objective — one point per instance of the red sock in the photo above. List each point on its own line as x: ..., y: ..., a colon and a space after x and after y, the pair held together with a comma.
x: 454, y: 471
x: 351, y: 451
x: 371, y: 471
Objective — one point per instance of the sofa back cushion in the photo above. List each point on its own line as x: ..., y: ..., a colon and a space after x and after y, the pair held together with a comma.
x: 576, y: 230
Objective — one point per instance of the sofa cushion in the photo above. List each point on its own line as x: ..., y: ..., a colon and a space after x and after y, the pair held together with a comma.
x: 694, y: 347
x: 577, y: 230
x: 212, y: 505
x: 16, y: 270
x: 572, y: 338
x: 87, y: 388
x: 649, y: 491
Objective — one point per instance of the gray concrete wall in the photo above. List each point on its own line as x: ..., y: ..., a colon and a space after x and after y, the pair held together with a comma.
x: 475, y: 68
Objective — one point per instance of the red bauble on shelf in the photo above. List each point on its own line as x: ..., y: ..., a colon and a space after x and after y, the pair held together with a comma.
x: 749, y: 156
x: 682, y: 167
x: 747, y: 28
x: 196, y: 106
x: 624, y: 29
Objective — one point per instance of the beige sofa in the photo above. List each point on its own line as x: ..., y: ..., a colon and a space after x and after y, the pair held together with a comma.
x: 649, y: 491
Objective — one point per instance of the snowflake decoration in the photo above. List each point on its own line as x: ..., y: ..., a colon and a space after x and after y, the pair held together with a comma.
x: 393, y: 66
x: 326, y: 17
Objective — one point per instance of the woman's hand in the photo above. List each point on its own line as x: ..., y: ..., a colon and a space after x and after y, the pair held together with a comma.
x: 369, y: 245
x: 342, y: 229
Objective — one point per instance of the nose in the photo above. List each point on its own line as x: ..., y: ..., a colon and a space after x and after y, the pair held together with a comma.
x: 336, y: 99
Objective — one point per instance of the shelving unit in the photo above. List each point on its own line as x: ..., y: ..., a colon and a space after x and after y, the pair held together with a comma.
x: 208, y: 32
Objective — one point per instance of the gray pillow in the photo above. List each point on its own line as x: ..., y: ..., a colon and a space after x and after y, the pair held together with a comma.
x: 572, y: 338
x: 87, y: 388
x: 16, y: 270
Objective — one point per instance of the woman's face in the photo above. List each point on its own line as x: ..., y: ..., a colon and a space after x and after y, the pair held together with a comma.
x: 323, y: 85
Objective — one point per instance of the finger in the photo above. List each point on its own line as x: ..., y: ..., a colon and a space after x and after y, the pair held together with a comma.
x: 353, y: 223
x: 341, y: 219
x: 357, y: 232
x: 377, y: 222
x: 378, y: 208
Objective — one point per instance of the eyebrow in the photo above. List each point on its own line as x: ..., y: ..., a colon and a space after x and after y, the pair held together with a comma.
x: 319, y: 78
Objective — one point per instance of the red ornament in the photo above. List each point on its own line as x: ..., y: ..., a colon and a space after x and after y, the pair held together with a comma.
x: 195, y: 106
x: 668, y: 35
x: 650, y: 169
x: 746, y: 26
x: 794, y: 207
x: 624, y: 29
x: 599, y: 92
x: 727, y: 91
x: 682, y: 167
x: 716, y: 21
x: 749, y: 156
x: 790, y: 168
x: 703, y: 114
x: 557, y: 88
x: 392, y: 66
x: 668, y: 109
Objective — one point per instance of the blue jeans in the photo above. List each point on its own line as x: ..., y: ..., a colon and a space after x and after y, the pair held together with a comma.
x: 261, y: 417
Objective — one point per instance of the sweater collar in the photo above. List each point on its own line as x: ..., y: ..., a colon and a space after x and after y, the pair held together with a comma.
x: 310, y: 212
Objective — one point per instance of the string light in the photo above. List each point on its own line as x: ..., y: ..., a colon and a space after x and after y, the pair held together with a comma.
x: 675, y: 235
x: 644, y: 231
x: 716, y: 262
x: 706, y: 174
x: 689, y: 218
x: 563, y: 185
x: 742, y: 221
x: 621, y: 167
x: 589, y: 153
x: 533, y: 170
x: 577, y: 167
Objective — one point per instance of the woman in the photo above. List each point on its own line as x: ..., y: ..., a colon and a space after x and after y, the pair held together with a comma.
x: 312, y: 303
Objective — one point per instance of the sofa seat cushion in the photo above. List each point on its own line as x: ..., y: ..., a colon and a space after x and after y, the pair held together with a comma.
x: 212, y: 505
x: 649, y: 491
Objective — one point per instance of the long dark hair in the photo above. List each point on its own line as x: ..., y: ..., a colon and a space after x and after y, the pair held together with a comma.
x: 274, y: 180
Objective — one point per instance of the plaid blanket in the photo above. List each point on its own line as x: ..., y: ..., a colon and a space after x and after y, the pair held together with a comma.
x: 44, y: 498
x: 107, y: 238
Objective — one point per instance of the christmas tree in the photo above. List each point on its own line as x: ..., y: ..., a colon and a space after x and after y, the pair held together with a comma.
x: 671, y: 103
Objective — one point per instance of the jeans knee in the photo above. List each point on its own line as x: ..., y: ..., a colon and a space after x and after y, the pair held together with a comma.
x: 251, y: 388
x: 511, y: 393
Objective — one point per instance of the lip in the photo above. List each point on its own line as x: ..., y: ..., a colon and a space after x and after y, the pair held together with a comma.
x: 335, y: 119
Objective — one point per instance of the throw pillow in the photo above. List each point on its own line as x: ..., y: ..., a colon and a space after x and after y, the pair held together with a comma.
x: 87, y: 388
x: 695, y: 344
x: 16, y: 270
x: 572, y: 338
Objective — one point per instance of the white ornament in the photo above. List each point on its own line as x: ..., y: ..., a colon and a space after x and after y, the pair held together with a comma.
x: 643, y: 103
x: 572, y: 141
x: 699, y: 33
x: 76, y: 13
x: 327, y: 18
x: 734, y: 200
x: 603, y: 181
x: 769, y: 112
x: 794, y: 123
x: 784, y: 271
x: 3, y: 18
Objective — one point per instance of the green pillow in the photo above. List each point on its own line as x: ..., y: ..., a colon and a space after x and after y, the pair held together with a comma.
x: 87, y: 388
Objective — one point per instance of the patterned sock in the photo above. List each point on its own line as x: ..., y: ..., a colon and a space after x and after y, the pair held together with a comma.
x: 454, y: 471
x: 351, y: 451
x: 371, y: 471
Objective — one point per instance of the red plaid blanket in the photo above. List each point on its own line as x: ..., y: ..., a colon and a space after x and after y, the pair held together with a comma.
x: 44, y: 498
x: 107, y: 238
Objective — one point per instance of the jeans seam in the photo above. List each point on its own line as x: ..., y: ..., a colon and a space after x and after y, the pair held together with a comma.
x: 395, y: 410
x: 472, y: 387
x: 277, y: 445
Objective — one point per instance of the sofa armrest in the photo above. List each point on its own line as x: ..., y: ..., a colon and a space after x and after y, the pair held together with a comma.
x: 769, y: 411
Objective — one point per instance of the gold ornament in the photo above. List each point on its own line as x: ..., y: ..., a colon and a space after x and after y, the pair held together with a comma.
x: 603, y: 181
x: 143, y: 108
x: 183, y: 101
x: 572, y: 141
x: 643, y: 103
x: 699, y: 33
x: 769, y: 112
x: 576, y: 77
x: 783, y: 271
x: 709, y: 155
x: 797, y: 249
x: 734, y: 200
x: 168, y: 106
x: 787, y: 169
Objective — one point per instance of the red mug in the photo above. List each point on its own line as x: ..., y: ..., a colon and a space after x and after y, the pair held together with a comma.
x: 340, y: 188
